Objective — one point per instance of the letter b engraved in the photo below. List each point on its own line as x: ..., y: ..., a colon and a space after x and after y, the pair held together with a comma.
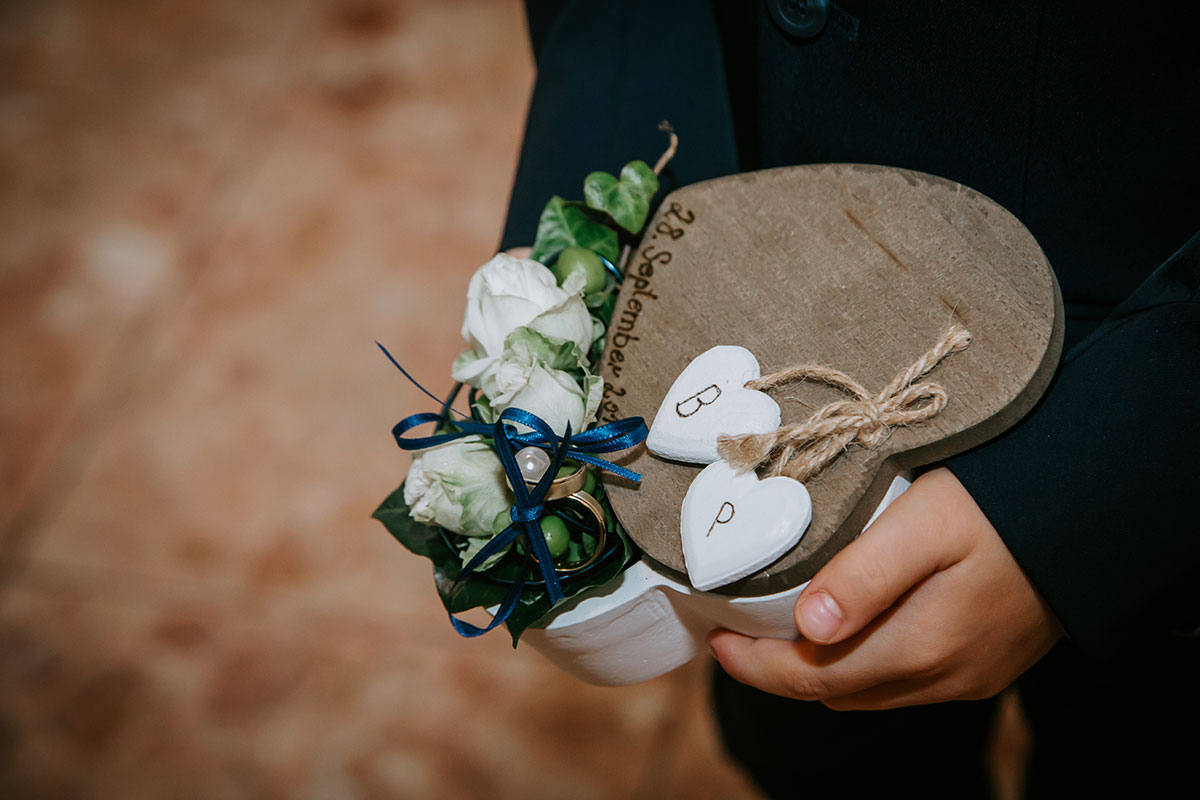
x: 705, y: 397
x: 724, y: 515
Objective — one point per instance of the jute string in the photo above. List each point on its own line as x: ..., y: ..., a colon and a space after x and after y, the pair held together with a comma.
x: 804, y: 450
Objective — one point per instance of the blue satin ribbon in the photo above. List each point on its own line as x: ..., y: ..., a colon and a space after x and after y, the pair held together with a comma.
x: 445, y: 405
x: 610, y: 438
x: 527, y: 511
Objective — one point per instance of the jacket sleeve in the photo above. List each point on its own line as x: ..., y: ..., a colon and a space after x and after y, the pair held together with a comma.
x: 608, y: 73
x: 1092, y: 492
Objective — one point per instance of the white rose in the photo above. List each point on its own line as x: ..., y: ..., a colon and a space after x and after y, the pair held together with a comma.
x: 509, y: 293
x: 459, y: 486
x: 551, y: 394
x: 549, y: 379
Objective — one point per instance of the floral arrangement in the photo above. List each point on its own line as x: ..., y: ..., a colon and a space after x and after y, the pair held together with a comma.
x: 506, y: 501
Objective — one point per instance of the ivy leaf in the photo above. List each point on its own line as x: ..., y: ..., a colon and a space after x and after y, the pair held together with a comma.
x: 626, y: 200
x: 564, y: 225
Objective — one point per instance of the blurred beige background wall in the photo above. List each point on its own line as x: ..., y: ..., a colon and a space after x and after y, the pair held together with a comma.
x: 209, y: 211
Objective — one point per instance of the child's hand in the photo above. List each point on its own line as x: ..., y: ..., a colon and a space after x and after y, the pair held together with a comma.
x: 927, y: 605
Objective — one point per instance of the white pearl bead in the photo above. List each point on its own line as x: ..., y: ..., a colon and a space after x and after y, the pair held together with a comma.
x: 533, y: 463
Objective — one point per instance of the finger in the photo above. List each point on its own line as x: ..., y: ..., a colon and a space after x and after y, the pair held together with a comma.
x: 771, y: 665
x: 895, y: 694
x: 899, y: 645
x: 910, y: 541
x: 798, y: 669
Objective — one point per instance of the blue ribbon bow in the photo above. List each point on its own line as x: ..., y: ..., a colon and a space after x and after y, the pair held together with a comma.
x: 609, y: 438
x: 527, y: 511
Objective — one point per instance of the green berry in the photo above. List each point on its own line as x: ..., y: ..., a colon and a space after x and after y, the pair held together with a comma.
x: 589, y: 483
x: 502, y: 521
x: 581, y: 259
x: 565, y: 470
x: 557, y: 535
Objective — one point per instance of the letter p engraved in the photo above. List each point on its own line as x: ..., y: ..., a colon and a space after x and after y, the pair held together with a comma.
x: 724, y: 515
x: 705, y: 397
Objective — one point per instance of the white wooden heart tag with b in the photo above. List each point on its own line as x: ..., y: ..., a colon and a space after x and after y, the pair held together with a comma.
x: 734, y: 524
x: 707, y: 400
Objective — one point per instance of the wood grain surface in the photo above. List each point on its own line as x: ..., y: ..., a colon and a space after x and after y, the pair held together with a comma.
x: 856, y: 267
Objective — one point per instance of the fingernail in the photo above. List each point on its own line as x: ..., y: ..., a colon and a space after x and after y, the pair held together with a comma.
x: 820, y: 617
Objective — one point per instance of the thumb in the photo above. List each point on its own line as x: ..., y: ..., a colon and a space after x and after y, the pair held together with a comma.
x: 909, y: 542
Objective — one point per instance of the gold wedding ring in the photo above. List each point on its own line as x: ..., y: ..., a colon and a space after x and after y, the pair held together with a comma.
x: 592, y: 506
x: 566, y: 486
x: 569, y: 489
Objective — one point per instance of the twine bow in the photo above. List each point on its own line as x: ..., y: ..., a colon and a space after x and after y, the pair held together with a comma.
x: 803, y: 450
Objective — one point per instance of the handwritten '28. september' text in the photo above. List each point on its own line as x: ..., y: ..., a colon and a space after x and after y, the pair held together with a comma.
x: 671, y: 227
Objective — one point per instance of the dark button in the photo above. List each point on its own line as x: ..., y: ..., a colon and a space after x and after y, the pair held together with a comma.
x: 803, y: 19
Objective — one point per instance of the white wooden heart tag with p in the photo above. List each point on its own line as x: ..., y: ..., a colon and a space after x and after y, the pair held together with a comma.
x: 707, y: 400
x: 734, y: 524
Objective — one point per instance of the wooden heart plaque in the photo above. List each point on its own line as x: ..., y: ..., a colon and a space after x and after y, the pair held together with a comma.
x: 859, y: 268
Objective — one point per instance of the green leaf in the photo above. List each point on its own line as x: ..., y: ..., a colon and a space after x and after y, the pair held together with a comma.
x: 602, y: 314
x: 483, y: 409
x: 564, y: 225
x: 626, y: 200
